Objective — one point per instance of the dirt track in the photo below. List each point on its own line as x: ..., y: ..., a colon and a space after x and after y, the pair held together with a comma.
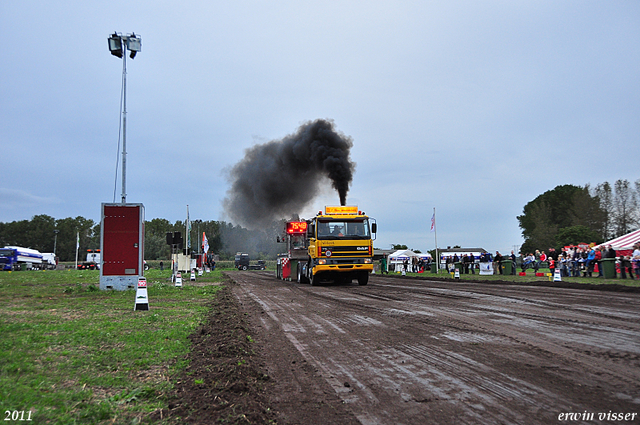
x: 405, y: 351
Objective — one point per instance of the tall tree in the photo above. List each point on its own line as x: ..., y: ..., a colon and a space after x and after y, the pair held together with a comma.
x: 564, y: 206
x: 543, y: 232
x: 604, y: 194
x: 40, y: 234
x: 625, y: 207
x: 586, y: 212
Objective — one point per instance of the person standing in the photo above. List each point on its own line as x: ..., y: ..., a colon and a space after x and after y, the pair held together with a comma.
x: 626, y: 264
x: 498, y: 261
x: 383, y: 264
x: 575, y: 263
x: 609, y: 252
x: 513, y: 266
x: 599, y: 261
x: 591, y: 258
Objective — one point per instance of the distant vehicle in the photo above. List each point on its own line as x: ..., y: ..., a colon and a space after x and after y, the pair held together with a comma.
x: 92, y: 262
x: 13, y: 257
x: 49, y: 261
x: 242, y: 262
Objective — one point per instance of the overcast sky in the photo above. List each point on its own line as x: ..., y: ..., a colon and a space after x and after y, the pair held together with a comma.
x: 470, y: 107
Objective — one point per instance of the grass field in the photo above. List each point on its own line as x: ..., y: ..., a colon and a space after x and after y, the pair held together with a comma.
x: 70, y: 353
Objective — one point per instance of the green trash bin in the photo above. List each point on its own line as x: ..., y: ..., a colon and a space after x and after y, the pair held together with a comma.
x: 458, y: 265
x: 434, y: 267
x: 23, y: 266
x: 608, y: 268
x: 507, y: 266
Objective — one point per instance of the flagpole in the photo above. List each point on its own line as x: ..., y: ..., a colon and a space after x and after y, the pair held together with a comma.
x: 77, y: 247
x: 187, y: 229
x: 435, y: 235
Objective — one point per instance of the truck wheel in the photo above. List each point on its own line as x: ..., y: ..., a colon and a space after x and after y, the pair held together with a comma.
x: 315, y: 280
x: 363, y: 278
x: 303, y: 277
x: 244, y: 268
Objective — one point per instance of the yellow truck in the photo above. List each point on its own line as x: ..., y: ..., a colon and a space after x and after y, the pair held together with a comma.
x: 336, y: 245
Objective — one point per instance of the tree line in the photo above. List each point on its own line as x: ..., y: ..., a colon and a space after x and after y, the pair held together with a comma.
x: 47, y: 234
x: 565, y: 215
x: 568, y: 215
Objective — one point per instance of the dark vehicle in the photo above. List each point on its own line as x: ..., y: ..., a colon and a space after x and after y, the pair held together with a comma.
x: 242, y: 262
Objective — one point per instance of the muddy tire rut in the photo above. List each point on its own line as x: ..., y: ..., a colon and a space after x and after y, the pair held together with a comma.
x: 409, y: 351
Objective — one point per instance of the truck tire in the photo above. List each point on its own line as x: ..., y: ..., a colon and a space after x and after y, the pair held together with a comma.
x: 315, y: 280
x: 363, y: 278
x: 244, y: 268
x: 303, y: 277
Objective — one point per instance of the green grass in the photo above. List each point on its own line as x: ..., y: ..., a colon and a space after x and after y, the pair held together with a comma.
x: 71, y: 353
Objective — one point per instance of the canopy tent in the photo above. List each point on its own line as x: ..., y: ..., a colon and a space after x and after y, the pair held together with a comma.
x: 405, y: 254
x: 624, y: 243
x: 398, y: 257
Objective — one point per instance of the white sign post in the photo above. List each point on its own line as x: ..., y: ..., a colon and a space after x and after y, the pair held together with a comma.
x: 142, y: 299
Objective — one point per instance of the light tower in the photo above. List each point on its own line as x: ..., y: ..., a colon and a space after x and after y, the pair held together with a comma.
x: 118, y: 46
x: 122, y: 225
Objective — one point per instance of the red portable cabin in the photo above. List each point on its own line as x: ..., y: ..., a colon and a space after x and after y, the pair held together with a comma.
x: 121, y: 245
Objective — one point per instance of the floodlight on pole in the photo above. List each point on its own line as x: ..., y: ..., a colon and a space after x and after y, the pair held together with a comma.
x: 115, y: 45
x: 118, y: 45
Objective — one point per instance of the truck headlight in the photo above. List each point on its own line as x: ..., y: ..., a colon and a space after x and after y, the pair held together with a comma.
x: 322, y: 261
x: 367, y: 260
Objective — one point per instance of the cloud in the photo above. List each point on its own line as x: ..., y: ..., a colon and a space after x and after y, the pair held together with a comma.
x: 14, y: 199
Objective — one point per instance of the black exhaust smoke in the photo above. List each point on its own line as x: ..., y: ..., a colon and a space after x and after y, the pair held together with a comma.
x: 278, y: 179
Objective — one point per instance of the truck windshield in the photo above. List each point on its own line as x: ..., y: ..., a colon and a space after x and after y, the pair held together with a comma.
x: 344, y: 229
x: 6, y: 252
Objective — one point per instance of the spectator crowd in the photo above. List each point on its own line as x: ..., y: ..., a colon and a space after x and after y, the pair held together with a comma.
x: 570, y: 261
x: 576, y: 261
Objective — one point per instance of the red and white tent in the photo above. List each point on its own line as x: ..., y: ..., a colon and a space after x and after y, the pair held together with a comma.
x: 624, y: 243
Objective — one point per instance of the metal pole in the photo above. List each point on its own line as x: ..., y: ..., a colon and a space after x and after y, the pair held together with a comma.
x: 124, y: 124
x: 435, y: 235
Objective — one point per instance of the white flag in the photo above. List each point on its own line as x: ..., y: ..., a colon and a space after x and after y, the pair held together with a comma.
x: 205, y: 243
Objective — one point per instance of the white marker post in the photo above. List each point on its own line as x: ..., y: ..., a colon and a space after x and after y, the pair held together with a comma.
x: 179, y: 280
x: 142, y: 300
